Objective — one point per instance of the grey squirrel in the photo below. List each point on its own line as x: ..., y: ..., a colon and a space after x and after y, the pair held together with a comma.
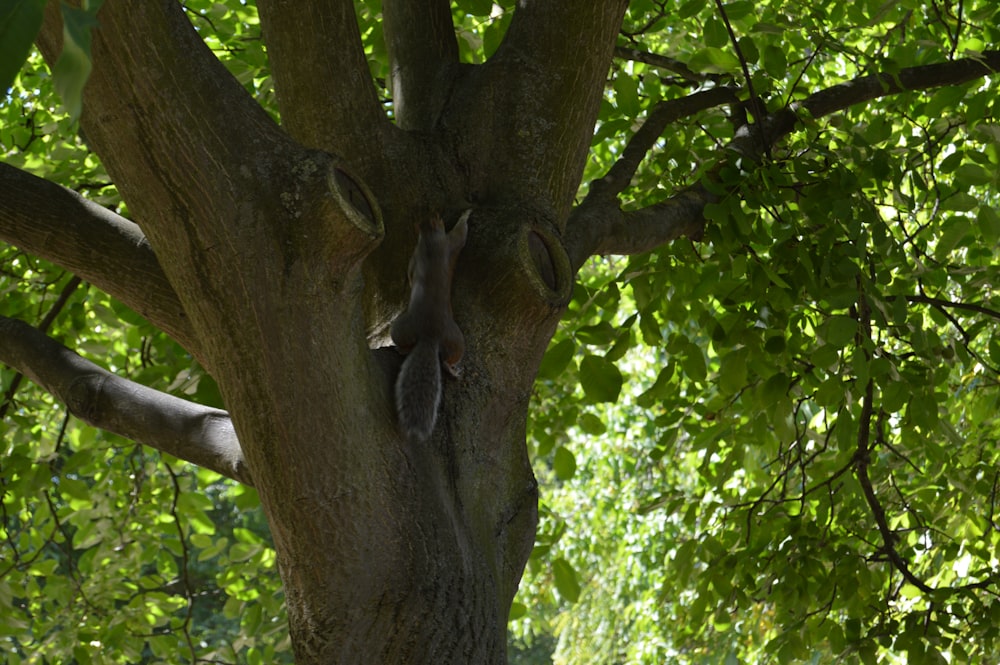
x: 426, y: 332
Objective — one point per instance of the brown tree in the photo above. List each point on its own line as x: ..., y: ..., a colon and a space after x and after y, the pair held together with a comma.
x: 276, y: 254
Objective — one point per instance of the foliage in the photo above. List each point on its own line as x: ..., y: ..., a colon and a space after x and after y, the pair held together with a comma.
x: 113, y: 553
x: 778, y: 442
x: 825, y: 360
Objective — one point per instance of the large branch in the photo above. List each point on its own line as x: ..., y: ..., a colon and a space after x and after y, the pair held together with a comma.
x: 325, y: 92
x: 663, y: 114
x: 610, y: 230
x: 753, y: 139
x: 420, y: 38
x: 183, y: 141
x: 599, y: 226
x: 107, y: 250
x: 543, y: 90
x: 43, y: 326
x: 199, y: 434
x: 231, y: 205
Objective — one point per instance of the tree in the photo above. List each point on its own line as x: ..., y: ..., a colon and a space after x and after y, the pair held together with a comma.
x: 812, y: 258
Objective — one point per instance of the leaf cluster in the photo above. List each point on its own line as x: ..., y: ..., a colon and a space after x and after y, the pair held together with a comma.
x: 790, y: 446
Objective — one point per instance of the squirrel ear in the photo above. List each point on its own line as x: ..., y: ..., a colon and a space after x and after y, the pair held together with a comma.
x: 460, y: 231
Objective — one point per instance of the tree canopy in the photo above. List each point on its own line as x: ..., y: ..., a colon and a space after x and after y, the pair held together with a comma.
x: 758, y: 241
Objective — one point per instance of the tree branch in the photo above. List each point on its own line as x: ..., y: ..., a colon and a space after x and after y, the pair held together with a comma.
x: 663, y: 62
x: 597, y: 225
x: 862, y: 462
x: 948, y: 304
x: 15, y: 383
x: 863, y: 89
x: 420, y: 37
x: 619, y: 176
x: 181, y: 138
x: 326, y: 96
x: 199, y: 434
x: 551, y: 67
x: 230, y: 204
x: 862, y: 458
x: 107, y: 250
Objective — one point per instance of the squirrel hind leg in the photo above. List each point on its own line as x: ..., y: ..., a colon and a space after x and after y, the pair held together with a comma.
x: 418, y: 392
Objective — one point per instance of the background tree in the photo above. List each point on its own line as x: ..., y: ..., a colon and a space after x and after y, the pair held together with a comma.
x: 813, y: 354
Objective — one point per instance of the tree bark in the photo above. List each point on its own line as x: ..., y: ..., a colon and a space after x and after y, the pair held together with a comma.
x: 388, y: 552
x: 198, y: 434
x: 61, y: 226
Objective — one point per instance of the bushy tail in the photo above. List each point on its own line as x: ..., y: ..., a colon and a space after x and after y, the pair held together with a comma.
x: 418, y: 391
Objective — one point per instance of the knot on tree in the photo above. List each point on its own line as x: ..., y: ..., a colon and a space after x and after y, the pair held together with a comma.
x: 546, y: 264
x: 83, y: 397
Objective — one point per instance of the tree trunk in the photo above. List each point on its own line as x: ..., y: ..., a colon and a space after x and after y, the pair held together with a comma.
x: 287, y: 249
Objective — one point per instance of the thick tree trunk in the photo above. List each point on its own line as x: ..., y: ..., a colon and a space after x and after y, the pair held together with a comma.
x: 408, y: 574
x: 290, y: 262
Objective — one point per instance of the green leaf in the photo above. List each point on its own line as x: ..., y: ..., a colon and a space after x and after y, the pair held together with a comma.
x: 601, y: 380
x: 626, y: 94
x: 716, y: 34
x: 251, y: 619
x: 43, y: 567
x: 775, y: 387
x: 825, y: 356
x: 739, y: 9
x: 714, y: 60
x: 600, y: 334
x: 81, y: 656
x: 839, y: 331
x: 733, y: 371
x: 494, y: 34
x: 768, y: 28
x: 556, y: 359
x: 476, y: 7
x: 775, y: 344
x: 690, y: 8
x: 955, y: 230
x: 988, y: 223
x: 968, y: 175
x: 20, y: 21
x: 749, y: 49
x: 774, y: 62
x: 565, y: 579
x: 694, y: 364
x: 960, y: 202
x: 922, y: 410
x: 564, y: 463
x: 241, y: 552
x: 661, y: 389
x: 591, y: 424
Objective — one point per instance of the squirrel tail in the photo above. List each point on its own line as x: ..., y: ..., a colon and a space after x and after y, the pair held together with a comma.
x: 418, y: 391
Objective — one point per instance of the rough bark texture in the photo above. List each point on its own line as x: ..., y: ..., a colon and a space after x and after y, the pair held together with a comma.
x: 286, y: 248
x: 279, y: 259
x: 199, y: 434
